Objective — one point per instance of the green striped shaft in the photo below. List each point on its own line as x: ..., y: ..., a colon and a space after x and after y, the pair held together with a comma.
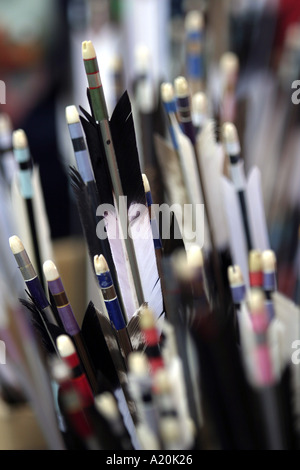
x: 101, y: 116
x: 96, y: 89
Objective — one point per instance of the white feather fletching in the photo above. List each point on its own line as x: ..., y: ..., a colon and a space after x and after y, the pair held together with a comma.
x: 141, y: 233
x: 121, y: 263
x: 257, y: 220
x: 139, y: 229
x: 190, y: 176
x: 171, y: 170
x: 257, y: 216
x: 211, y: 156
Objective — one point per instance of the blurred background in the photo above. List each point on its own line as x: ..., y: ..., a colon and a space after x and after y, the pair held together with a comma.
x: 41, y: 65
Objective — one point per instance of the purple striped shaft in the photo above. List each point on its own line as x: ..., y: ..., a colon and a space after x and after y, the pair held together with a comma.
x: 238, y: 293
x: 185, y: 117
x: 63, y: 306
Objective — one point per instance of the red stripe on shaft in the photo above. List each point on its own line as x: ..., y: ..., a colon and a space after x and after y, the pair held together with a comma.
x: 151, y: 337
x: 256, y: 279
x: 81, y: 383
x: 156, y: 363
x: 72, y: 360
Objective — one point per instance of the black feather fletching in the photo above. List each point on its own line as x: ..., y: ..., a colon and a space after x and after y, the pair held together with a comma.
x: 105, y: 353
x: 175, y: 241
x: 124, y: 139
x: 47, y: 332
x: 87, y: 217
x: 125, y: 146
x: 85, y: 199
x: 135, y: 332
x: 101, y: 343
x: 97, y: 156
x: 127, y: 159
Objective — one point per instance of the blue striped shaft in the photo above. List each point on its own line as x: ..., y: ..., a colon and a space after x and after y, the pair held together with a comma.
x: 23, y: 158
x: 111, y: 300
x: 34, y: 285
x: 170, y: 108
x: 194, y: 57
x: 115, y: 313
x: 269, y: 280
x: 185, y: 117
x: 81, y: 152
